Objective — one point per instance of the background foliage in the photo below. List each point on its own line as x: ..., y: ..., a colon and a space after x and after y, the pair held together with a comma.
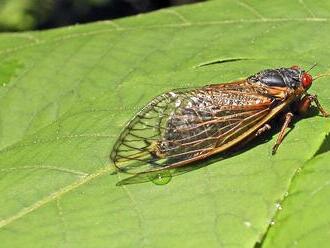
x: 65, y: 94
x: 36, y: 14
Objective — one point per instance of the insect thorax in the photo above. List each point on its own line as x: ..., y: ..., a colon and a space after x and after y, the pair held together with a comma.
x: 282, y: 77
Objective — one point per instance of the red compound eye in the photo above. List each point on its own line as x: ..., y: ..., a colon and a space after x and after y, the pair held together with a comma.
x: 306, y: 80
x: 295, y: 67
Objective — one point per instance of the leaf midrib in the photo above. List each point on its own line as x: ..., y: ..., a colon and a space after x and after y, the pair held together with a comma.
x: 57, y: 194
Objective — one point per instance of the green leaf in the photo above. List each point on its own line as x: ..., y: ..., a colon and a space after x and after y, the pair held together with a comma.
x: 65, y: 95
x: 304, y: 217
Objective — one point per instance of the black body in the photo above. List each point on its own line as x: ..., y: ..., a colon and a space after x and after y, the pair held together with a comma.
x: 282, y: 77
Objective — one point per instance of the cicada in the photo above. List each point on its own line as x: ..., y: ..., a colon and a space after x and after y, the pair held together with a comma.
x: 187, y: 125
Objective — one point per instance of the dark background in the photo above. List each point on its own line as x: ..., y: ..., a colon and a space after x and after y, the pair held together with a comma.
x: 19, y: 15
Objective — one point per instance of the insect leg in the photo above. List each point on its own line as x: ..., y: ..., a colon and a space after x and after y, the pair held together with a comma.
x: 263, y: 129
x: 288, y: 118
x: 306, y: 102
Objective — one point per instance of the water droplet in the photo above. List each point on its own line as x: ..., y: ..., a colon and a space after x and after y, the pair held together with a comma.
x: 286, y: 194
x: 278, y: 206
x: 161, y: 178
x: 272, y: 223
x: 247, y: 224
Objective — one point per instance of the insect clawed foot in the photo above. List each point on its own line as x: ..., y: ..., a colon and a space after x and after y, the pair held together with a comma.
x: 275, y: 147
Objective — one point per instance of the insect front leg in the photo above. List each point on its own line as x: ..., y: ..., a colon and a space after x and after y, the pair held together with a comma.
x: 288, y: 119
x: 306, y: 102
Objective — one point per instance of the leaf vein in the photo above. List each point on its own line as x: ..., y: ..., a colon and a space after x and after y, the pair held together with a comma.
x: 56, y: 195
x: 46, y: 167
x: 221, y: 22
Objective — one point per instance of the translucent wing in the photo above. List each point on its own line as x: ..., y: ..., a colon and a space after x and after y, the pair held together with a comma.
x: 179, y: 127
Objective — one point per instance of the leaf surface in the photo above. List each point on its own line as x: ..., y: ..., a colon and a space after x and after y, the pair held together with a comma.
x: 65, y: 95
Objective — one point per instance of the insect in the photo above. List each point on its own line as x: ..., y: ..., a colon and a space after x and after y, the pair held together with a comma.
x: 183, y: 126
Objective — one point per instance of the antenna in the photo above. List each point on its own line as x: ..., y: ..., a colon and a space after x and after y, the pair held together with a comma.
x: 315, y: 64
x: 321, y: 75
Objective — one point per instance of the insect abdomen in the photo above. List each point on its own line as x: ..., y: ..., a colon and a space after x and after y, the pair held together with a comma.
x: 202, y: 122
